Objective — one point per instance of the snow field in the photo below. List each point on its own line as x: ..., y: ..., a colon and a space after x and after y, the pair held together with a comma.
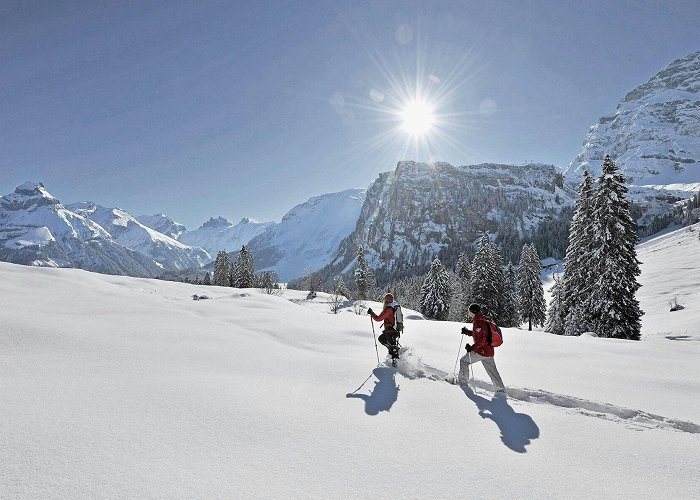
x: 123, y: 387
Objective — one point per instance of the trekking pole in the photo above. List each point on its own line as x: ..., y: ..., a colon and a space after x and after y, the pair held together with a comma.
x: 375, y: 339
x: 459, y: 351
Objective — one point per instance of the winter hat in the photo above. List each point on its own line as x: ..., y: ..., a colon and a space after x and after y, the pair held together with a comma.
x: 474, y: 308
x: 389, y: 298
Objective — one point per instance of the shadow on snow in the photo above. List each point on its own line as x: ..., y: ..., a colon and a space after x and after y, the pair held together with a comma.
x: 517, y: 429
x: 384, y: 393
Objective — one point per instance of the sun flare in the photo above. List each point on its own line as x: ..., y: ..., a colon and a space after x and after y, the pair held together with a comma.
x: 417, y: 118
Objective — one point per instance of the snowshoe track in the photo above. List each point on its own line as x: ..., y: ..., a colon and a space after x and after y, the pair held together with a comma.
x: 411, y: 366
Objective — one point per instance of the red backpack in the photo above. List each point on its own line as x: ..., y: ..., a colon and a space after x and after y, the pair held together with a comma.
x: 494, y: 337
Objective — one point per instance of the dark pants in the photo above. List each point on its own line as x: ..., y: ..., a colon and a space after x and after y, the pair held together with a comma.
x: 390, y: 340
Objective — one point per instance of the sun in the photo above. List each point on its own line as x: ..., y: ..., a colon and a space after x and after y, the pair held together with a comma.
x: 417, y: 118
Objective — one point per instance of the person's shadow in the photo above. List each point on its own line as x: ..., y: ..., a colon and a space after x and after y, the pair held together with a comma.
x: 383, y: 395
x: 517, y: 429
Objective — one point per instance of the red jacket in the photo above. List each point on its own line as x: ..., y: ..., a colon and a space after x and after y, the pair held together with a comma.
x: 479, y: 331
x: 388, y: 316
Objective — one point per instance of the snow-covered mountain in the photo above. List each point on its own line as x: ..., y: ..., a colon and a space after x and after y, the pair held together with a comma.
x: 35, y: 229
x: 163, y: 224
x: 128, y: 232
x: 309, y: 234
x: 421, y: 210
x: 654, y: 135
x: 219, y: 233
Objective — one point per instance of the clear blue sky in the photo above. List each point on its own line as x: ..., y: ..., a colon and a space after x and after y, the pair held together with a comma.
x: 244, y: 109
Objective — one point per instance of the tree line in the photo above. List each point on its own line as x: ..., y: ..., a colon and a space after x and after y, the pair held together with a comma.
x: 506, y: 295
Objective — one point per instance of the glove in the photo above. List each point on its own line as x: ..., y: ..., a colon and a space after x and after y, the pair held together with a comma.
x: 468, y: 347
x: 370, y: 311
x: 466, y: 331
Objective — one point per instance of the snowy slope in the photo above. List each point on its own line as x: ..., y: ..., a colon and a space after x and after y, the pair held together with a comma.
x: 221, y: 234
x: 123, y: 387
x: 131, y: 234
x: 654, y: 134
x: 309, y: 234
x: 163, y: 224
x: 671, y: 270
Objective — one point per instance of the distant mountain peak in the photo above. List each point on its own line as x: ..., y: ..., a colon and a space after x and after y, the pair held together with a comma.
x: 30, y: 188
x: 654, y: 135
x: 216, y: 223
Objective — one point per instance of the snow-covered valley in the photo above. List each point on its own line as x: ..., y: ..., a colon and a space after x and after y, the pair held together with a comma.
x: 124, y: 387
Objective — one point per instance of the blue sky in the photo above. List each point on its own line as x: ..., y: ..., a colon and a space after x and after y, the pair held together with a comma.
x: 244, y: 109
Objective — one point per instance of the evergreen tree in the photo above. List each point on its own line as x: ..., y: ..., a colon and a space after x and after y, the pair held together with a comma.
x: 530, y: 291
x: 614, y: 310
x: 340, y: 287
x: 363, y: 275
x: 435, y: 292
x: 511, y: 312
x: 498, y: 279
x: 339, y: 293
x: 461, y: 296
x: 555, y: 318
x: 485, y: 289
x: 221, y: 269
x: 577, y: 280
x: 207, y: 279
x: 408, y: 289
x: 244, y: 270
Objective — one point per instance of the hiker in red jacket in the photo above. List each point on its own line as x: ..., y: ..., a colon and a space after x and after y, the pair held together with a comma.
x: 390, y: 337
x: 481, y: 350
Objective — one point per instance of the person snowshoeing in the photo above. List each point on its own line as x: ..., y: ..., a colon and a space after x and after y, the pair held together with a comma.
x: 390, y: 336
x: 481, y: 350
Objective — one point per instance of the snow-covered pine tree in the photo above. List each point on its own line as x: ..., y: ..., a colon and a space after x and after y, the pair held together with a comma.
x: 530, y: 291
x: 268, y: 283
x: 363, y: 275
x: 461, y: 296
x: 555, y: 319
x: 485, y: 290
x: 578, y: 280
x: 499, y: 280
x: 456, y: 297
x: 613, y: 308
x: 340, y: 292
x: 233, y: 274
x: 435, y: 292
x: 244, y: 274
x: 407, y: 291
x: 221, y: 269
x: 340, y: 287
x: 207, y: 279
x: 511, y: 311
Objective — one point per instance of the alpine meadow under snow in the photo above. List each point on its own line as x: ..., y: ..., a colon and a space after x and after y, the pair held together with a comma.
x: 253, y: 395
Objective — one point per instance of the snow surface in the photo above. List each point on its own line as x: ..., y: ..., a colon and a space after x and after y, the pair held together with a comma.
x: 33, y: 236
x: 124, y: 387
x: 671, y: 270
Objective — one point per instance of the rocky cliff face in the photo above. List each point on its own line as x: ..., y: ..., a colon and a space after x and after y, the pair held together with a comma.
x: 421, y: 210
x: 654, y: 135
